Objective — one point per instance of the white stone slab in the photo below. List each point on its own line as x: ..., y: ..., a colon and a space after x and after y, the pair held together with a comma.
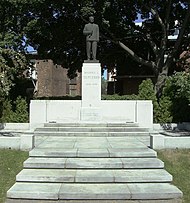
x: 45, y: 163
x: 135, y: 152
x: 10, y: 142
x: 54, y: 152
x: 46, y: 175
x: 15, y: 126
x: 92, y: 153
x: 146, y: 163
x: 34, y: 191
x: 93, y: 163
x: 94, y: 191
x: 91, y: 84
x: 154, y: 191
x: 142, y: 175
x: 27, y: 142
x: 69, y: 111
x: 94, y: 176
x: 90, y: 114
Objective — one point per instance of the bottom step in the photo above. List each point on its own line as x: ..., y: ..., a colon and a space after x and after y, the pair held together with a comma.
x: 94, y: 201
x: 56, y: 191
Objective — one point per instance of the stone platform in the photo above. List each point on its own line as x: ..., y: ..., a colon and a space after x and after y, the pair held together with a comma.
x: 86, y: 167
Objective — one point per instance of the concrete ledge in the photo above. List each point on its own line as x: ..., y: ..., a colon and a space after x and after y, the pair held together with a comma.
x: 10, y: 143
x: 25, y: 142
x: 158, y: 141
x: 14, y: 126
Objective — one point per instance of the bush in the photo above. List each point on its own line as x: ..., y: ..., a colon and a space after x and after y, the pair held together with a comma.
x: 147, y: 92
x: 118, y: 97
x: 7, y: 112
x: 164, y: 112
x: 177, y: 88
x: 16, y: 112
x: 21, y: 111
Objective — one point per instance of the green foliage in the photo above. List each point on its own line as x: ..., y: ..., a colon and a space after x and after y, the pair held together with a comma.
x: 164, y: 111
x: 16, y: 112
x: 21, y: 111
x: 12, y: 64
x: 147, y: 92
x: 7, y: 112
x: 177, y: 88
x: 120, y: 97
x: 12, y: 45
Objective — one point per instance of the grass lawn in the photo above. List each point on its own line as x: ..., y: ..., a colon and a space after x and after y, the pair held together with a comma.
x: 10, y: 164
x: 177, y: 162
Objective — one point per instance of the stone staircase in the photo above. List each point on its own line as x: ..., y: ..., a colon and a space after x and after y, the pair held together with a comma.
x: 93, y: 163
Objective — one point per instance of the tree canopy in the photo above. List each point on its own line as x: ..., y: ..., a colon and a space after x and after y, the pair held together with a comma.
x: 54, y: 29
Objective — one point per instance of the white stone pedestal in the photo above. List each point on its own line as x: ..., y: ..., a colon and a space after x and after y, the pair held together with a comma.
x: 91, y: 92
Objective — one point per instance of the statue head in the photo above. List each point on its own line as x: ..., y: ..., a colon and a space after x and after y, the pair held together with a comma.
x: 91, y: 19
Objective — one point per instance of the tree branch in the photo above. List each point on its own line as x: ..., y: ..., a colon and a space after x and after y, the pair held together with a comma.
x: 180, y: 37
x: 152, y: 44
x: 148, y: 37
x: 168, y: 10
x: 138, y: 59
x: 164, y: 30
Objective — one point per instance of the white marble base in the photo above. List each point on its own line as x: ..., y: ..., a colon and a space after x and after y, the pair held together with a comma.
x: 72, y: 111
x: 91, y: 114
x: 91, y: 85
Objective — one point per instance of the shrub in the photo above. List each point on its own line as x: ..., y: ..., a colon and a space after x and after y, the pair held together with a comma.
x: 7, y: 112
x: 118, y: 97
x: 21, y: 111
x: 147, y: 92
x: 177, y: 88
x: 16, y: 113
x: 164, y: 112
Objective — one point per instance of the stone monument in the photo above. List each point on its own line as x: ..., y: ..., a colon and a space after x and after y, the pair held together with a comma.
x: 91, y: 75
x: 91, y: 108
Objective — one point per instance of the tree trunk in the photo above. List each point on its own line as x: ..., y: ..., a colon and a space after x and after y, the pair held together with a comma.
x: 161, y: 78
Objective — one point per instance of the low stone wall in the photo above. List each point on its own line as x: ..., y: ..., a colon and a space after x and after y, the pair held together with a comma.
x: 159, y: 141
x: 170, y: 136
x: 16, y: 136
x: 14, y: 126
x: 25, y: 142
x: 60, y: 111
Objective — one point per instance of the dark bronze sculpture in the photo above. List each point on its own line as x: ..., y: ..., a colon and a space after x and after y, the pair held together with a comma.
x: 91, y: 30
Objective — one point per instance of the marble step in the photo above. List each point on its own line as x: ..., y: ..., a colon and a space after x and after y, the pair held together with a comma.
x: 94, y: 176
x: 94, y: 163
x: 92, y: 129
x: 93, y: 153
x: 90, y: 134
x: 178, y: 200
x: 70, y: 191
x: 91, y: 124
